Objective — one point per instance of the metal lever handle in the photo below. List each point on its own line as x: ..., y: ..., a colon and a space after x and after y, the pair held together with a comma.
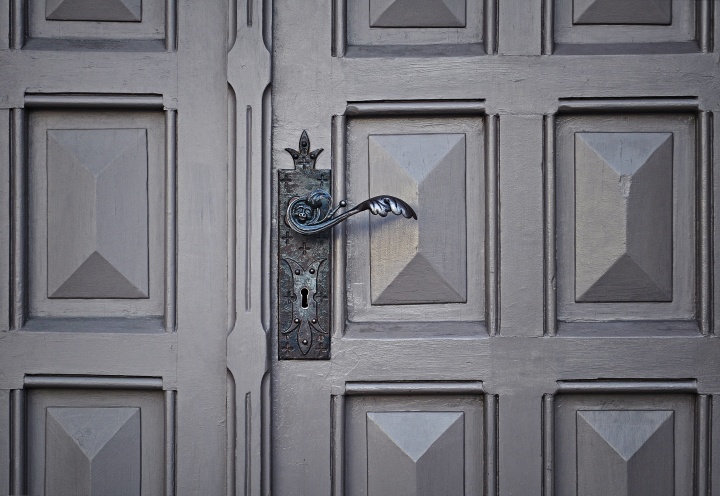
x: 314, y: 214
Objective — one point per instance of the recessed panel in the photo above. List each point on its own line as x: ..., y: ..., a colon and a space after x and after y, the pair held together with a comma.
x: 415, y: 453
x: 414, y: 14
x: 95, y: 442
x: 626, y: 218
x: 108, y: 25
x: 625, y: 445
x: 623, y: 216
x: 414, y: 445
x: 626, y: 452
x: 429, y: 269
x: 625, y: 26
x: 429, y: 265
x: 406, y: 27
x: 622, y: 11
x: 92, y: 451
x: 97, y: 213
x: 94, y: 10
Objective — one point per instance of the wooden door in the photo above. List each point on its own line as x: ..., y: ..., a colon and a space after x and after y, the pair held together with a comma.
x: 113, y: 232
x: 546, y: 326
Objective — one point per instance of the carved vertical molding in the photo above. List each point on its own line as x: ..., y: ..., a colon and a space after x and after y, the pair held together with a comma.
x: 548, y: 439
x: 339, y: 254
x: 18, y: 164
x: 548, y: 28
x: 170, y: 25
x: 492, y: 238
x: 492, y: 467
x: 170, y: 446
x: 19, y: 20
x: 339, y: 32
x: 550, y: 250
x: 18, y: 442
x: 491, y: 26
x: 703, y: 440
x: 170, y: 218
x: 705, y: 137
x: 337, y: 460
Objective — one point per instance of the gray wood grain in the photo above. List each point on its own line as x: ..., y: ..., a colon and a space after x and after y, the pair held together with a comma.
x: 5, y: 218
x: 202, y: 215
x: 5, y: 439
x: 519, y: 27
x: 5, y: 25
x: 521, y: 211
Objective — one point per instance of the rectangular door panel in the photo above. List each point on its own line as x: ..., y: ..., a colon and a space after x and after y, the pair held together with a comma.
x: 147, y: 25
x: 402, y: 270
x: 626, y: 227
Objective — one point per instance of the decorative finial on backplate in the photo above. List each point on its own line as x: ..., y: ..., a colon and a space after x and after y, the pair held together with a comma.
x: 304, y: 158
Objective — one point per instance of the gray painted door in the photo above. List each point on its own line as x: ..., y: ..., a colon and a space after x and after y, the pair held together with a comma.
x: 546, y: 326
x: 113, y: 233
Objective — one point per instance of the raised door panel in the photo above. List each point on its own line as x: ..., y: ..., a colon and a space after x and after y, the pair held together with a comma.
x: 417, y: 444
x: 146, y: 25
x: 402, y: 270
x: 627, y: 225
x: 628, y: 26
x: 625, y: 444
x: 404, y: 27
x: 95, y: 442
x: 96, y: 215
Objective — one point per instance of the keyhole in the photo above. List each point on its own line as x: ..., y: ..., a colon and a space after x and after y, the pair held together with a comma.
x: 304, y: 294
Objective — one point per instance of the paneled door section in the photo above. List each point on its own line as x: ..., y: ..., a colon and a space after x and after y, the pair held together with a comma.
x: 547, y: 325
x: 113, y: 228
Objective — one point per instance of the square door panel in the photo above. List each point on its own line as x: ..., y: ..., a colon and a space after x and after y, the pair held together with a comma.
x: 429, y: 268
x: 626, y: 187
x: 96, y: 216
x: 376, y: 24
x: 414, y: 445
x: 622, y: 26
x: 106, y: 24
x: 95, y: 442
x: 639, y: 444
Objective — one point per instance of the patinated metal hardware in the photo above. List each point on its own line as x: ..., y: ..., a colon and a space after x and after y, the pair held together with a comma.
x: 306, y: 215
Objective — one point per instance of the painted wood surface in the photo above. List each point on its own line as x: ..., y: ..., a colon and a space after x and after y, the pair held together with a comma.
x: 513, y: 344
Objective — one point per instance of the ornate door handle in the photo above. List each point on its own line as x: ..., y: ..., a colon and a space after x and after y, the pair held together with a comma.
x: 305, y: 207
x: 314, y: 213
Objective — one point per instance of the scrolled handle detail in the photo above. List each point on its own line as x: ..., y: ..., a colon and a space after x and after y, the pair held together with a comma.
x: 314, y: 214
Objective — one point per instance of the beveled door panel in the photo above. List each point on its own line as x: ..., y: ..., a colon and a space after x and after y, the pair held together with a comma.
x: 626, y: 190
x: 96, y: 213
x: 394, y: 268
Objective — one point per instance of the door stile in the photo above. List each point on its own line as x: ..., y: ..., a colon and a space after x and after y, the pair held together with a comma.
x: 249, y: 107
